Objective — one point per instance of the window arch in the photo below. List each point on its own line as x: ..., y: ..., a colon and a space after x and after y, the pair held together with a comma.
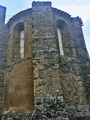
x: 19, y: 40
x: 62, y: 33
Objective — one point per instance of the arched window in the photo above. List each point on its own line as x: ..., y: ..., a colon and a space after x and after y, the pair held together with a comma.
x: 60, y: 42
x: 18, y: 42
x: 22, y: 44
x: 63, y: 37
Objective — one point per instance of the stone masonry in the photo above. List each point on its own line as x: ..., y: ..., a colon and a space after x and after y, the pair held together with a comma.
x: 43, y: 85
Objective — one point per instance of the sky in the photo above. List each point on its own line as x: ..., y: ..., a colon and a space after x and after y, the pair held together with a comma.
x: 75, y: 8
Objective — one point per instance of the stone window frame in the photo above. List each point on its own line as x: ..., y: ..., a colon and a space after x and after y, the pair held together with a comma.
x: 62, y: 26
x: 18, y: 28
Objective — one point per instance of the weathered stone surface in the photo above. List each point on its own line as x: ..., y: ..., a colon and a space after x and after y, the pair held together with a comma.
x: 48, y: 108
x: 9, y: 118
x: 3, y: 43
x: 54, y: 85
x: 19, y: 81
x: 86, y: 79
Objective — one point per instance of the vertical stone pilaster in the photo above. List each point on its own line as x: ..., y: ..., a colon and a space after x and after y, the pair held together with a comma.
x: 45, y: 52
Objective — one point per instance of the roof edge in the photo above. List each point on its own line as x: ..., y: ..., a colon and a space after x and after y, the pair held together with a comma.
x: 16, y: 15
x: 73, y: 19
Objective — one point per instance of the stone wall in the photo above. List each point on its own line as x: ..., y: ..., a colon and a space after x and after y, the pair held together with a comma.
x: 45, y: 52
x: 86, y: 79
x: 2, y: 62
x: 72, y: 35
x: 13, y: 51
x: 3, y: 47
x: 18, y: 86
x: 55, y: 86
x: 82, y: 53
x: 18, y: 79
x: 72, y: 82
x: 63, y: 20
x: 49, y: 108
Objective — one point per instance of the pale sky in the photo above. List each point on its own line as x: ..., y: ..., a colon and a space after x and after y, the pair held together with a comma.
x: 75, y: 8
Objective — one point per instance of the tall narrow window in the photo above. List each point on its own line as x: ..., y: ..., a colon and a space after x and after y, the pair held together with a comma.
x: 22, y: 44
x: 60, y: 41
